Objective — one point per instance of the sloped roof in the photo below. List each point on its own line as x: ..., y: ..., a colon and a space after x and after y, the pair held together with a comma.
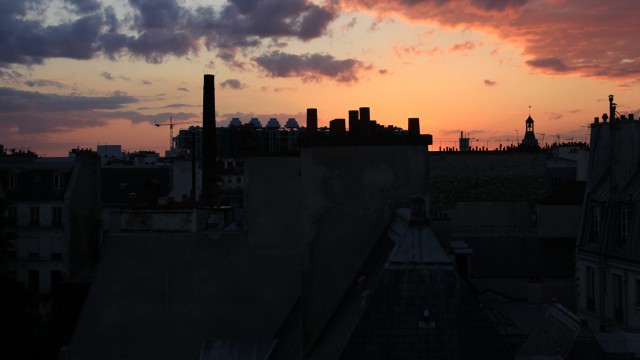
x: 424, y: 313
x: 39, y: 163
x: 415, y: 244
x: 561, y: 334
x: 421, y: 308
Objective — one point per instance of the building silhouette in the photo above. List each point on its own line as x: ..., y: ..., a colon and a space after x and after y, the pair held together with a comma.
x: 607, y: 260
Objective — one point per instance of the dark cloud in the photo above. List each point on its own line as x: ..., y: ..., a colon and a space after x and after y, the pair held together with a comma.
x: 42, y: 113
x: 27, y: 41
x: 169, y: 106
x: 44, y: 83
x: 350, y: 25
x: 488, y: 82
x: 401, y: 51
x: 107, y: 75
x: 35, y: 112
x: 232, y: 84
x: 383, y: 71
x: 10, y: 75
x: 154, y: 29
x: 553, y: 64
x: 553, y: 116
x: 310, y: 67
x: 577, y: 37
x: 183, y: 89
x: 145, y: 82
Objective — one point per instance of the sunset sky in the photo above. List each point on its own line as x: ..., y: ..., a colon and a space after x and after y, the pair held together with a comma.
x: 78, y: 73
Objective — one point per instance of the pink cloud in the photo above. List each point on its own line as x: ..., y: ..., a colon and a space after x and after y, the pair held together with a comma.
x: 467, y: 45
x: 591, y: 38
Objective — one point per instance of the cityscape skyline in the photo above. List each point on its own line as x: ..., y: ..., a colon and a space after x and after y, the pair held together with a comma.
x: 78, y: 74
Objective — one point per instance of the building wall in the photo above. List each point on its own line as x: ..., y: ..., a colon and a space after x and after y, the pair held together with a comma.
x: 486, y: 176
x: 348, y: 197
x: 487, y: 214
x: 83, y: 213
x: 613, y: 188
x: 559, y: 220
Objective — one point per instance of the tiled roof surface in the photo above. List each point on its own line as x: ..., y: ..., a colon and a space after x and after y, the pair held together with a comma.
x: 394, y: 326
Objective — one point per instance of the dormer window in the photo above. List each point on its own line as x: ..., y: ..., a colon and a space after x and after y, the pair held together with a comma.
x: 623, y: 227
x: 57, y: 181
x: 14, y: 181
x: 624, y: 223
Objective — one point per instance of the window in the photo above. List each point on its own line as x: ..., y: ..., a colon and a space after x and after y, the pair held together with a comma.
x: 624, y: 223
x: 56, y: 216
x: 34, y: 280
x: 618, y: 293
x: 14, y: 181
x: 12, y: 216
x: 591, y: 288
x: 637, y: 300
x: 56, y: 256
x: 57, y: 181
x: 34, y: 219
x: 238, y: 179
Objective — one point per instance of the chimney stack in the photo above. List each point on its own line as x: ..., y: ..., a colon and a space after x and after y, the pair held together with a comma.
x: 365, y: 121
x: 337, y: 127
x: 353, y: 123
x: 209, y: 144
x: 414, y: 127
x: 312, y: 121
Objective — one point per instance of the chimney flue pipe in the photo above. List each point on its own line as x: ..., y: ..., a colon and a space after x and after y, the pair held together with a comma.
x: 209, y: 144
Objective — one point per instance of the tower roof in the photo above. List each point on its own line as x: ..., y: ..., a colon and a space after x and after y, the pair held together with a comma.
x: 529, y: 120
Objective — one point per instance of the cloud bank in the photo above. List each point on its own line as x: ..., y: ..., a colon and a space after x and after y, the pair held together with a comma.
x: 310, y: 67
x: 35, y: 112
x: 152, y: 29
x: 578, y: 37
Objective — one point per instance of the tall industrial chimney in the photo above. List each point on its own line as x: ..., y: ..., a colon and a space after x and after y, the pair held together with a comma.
x: 209, y: 145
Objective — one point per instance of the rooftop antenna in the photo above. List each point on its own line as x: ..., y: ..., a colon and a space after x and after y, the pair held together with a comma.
x: 529, y: 110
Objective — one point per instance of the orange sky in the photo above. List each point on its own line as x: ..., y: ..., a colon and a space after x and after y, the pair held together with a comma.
x: 104, y: 71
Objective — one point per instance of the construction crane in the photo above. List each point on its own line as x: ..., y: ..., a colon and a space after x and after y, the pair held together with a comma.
x: 171, y: 124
